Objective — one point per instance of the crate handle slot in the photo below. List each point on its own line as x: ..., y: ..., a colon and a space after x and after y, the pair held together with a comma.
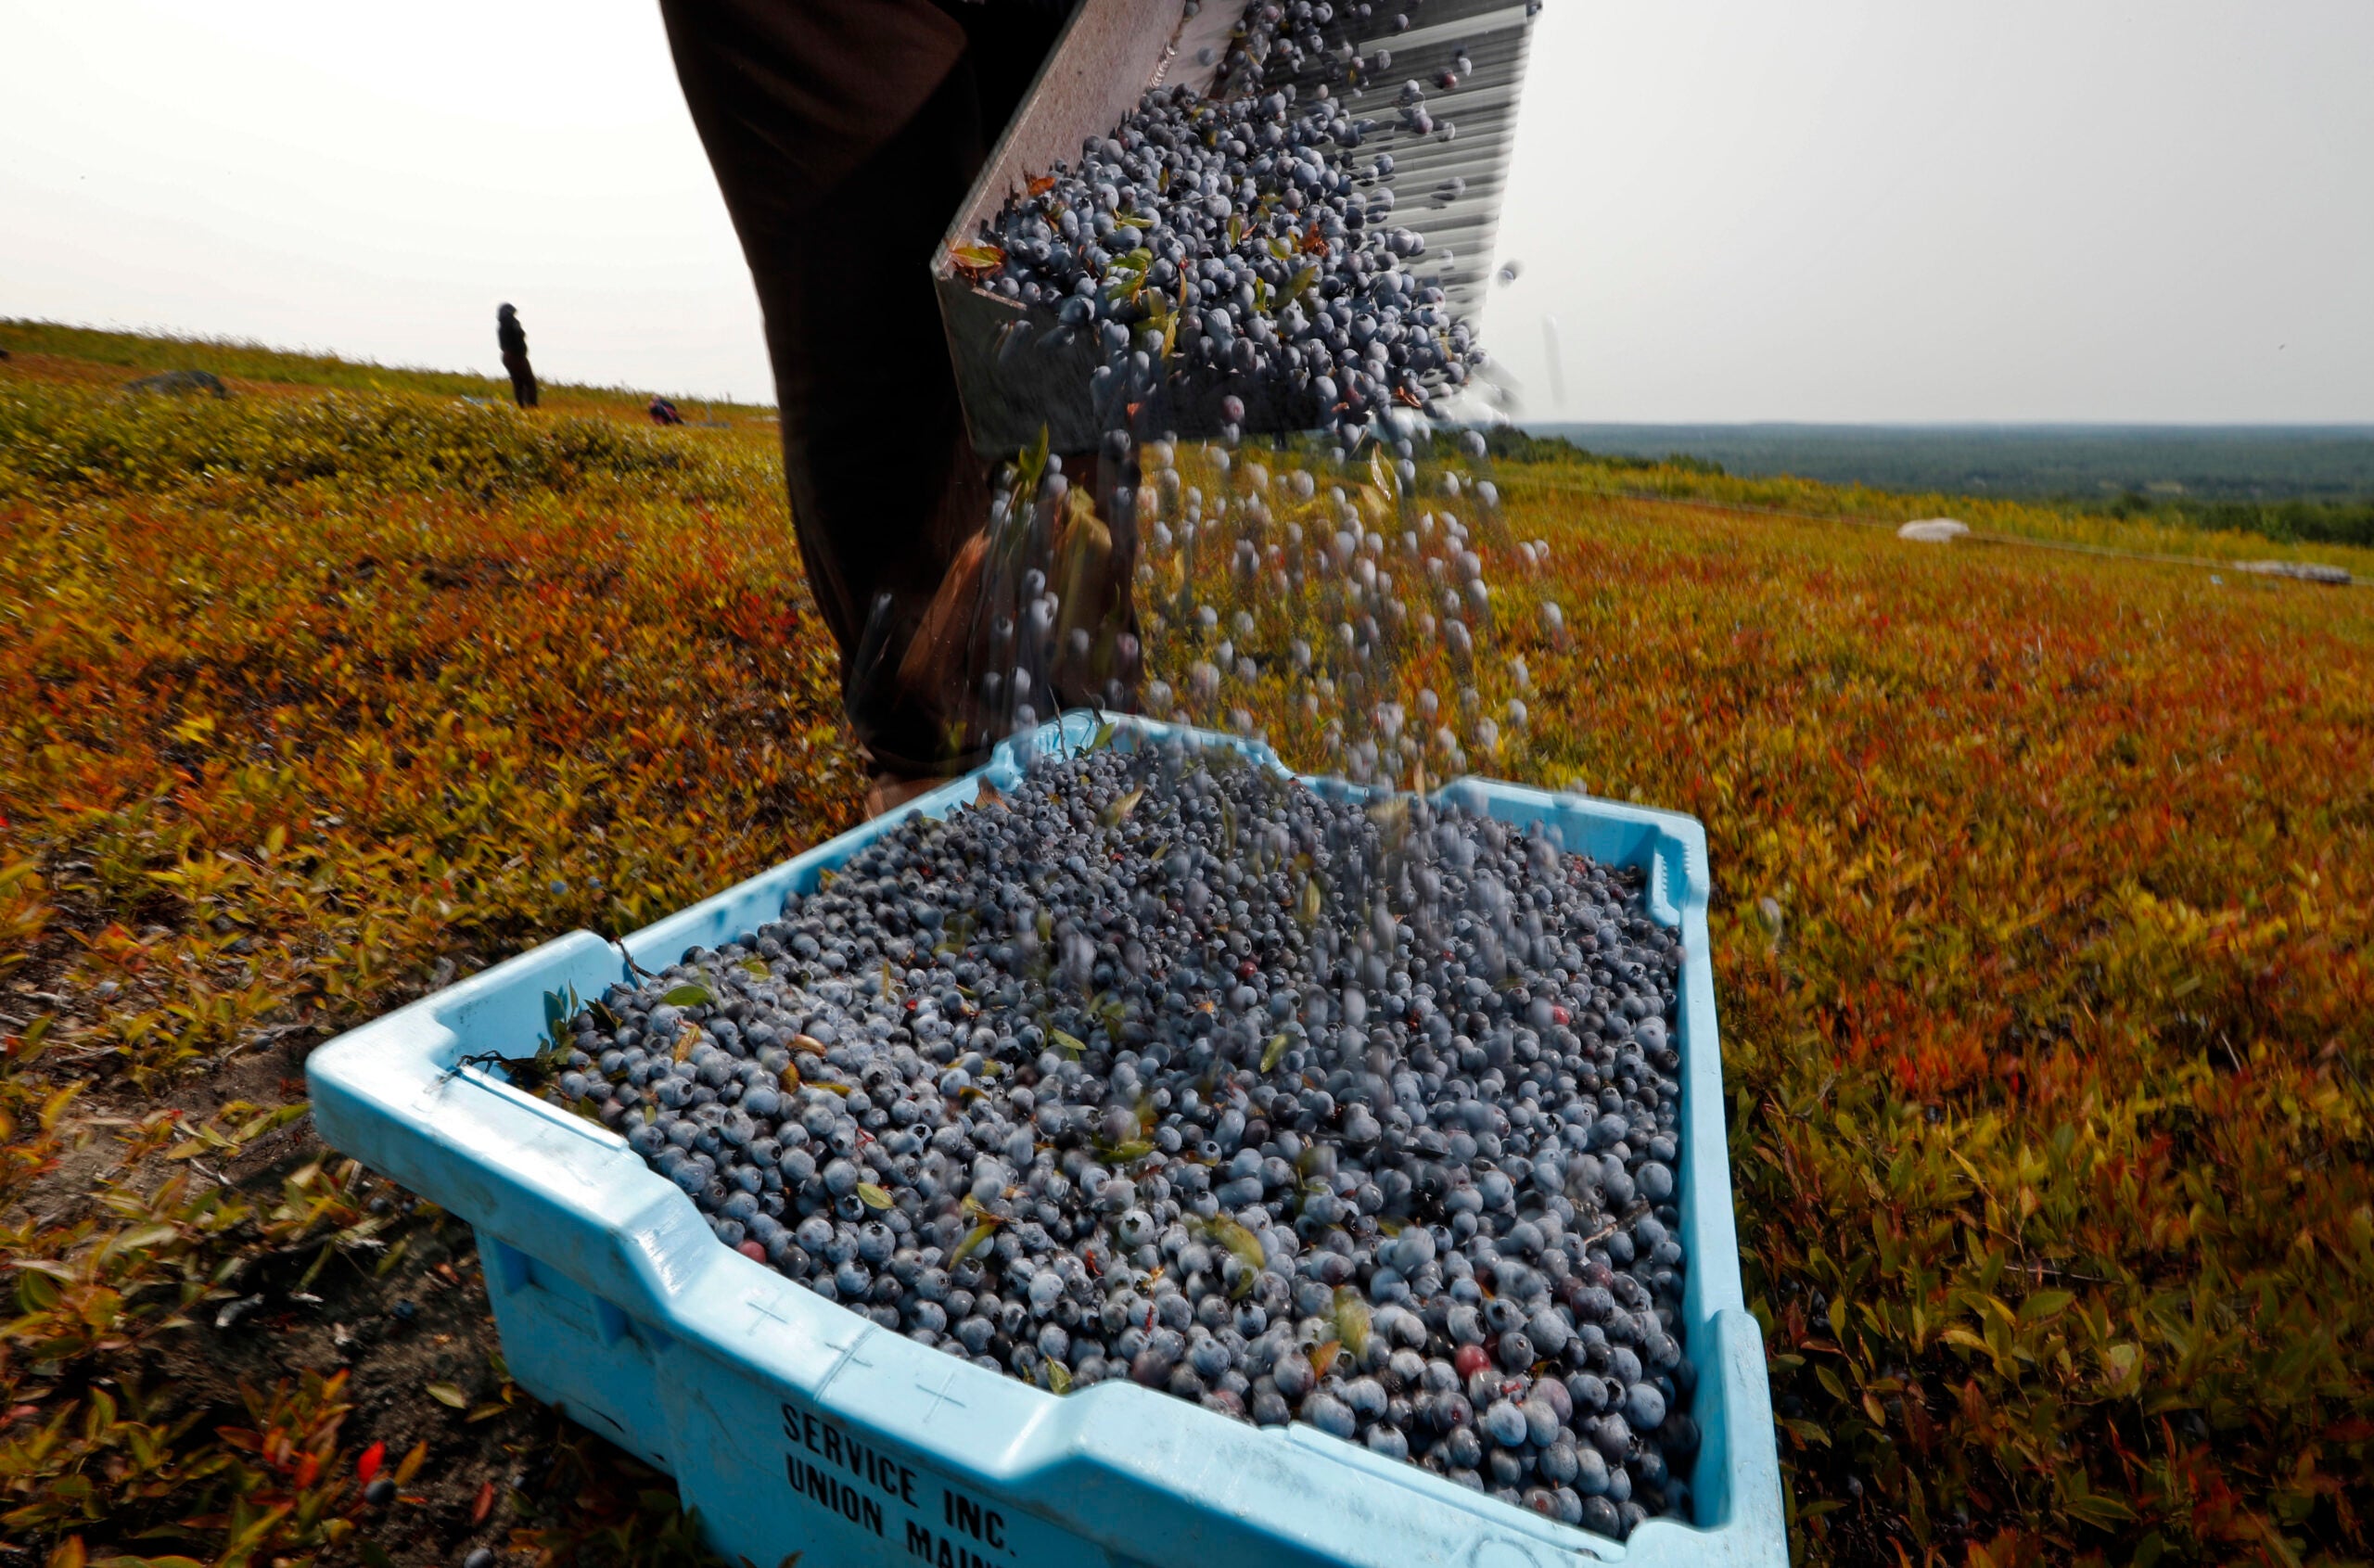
x: 1668, y: 879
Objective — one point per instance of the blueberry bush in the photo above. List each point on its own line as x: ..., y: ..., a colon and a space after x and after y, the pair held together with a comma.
x: 2043, y: 886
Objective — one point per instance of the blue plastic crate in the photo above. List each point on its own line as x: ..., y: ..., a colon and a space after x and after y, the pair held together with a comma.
x: 795, y: 1426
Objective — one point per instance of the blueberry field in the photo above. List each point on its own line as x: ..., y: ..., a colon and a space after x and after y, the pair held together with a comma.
x: 2044, y: 881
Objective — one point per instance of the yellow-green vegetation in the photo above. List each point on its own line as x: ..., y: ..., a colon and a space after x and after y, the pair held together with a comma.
x: 2043, y: 889
x: 96, y: 358
x: 312, y: 699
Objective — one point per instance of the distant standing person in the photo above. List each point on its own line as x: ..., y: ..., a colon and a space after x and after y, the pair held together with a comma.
x: 513, y: 337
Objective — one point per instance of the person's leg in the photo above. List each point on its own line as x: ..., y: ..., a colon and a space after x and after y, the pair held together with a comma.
x: 845, y: 134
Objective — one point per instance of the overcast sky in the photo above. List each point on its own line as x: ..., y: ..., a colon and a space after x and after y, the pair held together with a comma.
x: 1833, y: 209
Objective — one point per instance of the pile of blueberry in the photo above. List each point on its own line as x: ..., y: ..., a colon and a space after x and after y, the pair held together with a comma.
x: 1246, y: 239
x: 1164, y: 1067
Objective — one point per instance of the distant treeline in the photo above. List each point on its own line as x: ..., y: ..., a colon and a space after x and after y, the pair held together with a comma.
x: 2296, y: 521
x: 2097, y: 463
x: 2289, y: 518
x: 1510, y: 444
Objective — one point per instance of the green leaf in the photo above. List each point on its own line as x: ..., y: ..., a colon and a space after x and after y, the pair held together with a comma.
x: 1306, y: 906
x: 1118, y: 811
x: 34, y: 1041
x: 1059, y: 1378
x: 872, y: 1196
x: 690, y: 994
x: 1030, y: 464
x: 140, y: 1238
x: 1275, y: 1053
x: 1351, y: 1319
x: 1236, y: 1239
x: 1067, y: 1041
x: 36, y: 1291
x: 2044, y: 1304
x: 446, y: 1393
x: 975, y: 1240
x: 1170, y: 323
x: 757, y: 968
x: 2102, y: 1510
x: 976, y: 258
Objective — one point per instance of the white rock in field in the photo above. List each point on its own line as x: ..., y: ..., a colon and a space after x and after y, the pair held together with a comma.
x: 1933, y: 531
x: 2303, y: 571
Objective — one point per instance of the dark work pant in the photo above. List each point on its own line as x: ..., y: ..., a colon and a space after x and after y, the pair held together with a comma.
x: 845, y: 134
x: 523, y: 380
